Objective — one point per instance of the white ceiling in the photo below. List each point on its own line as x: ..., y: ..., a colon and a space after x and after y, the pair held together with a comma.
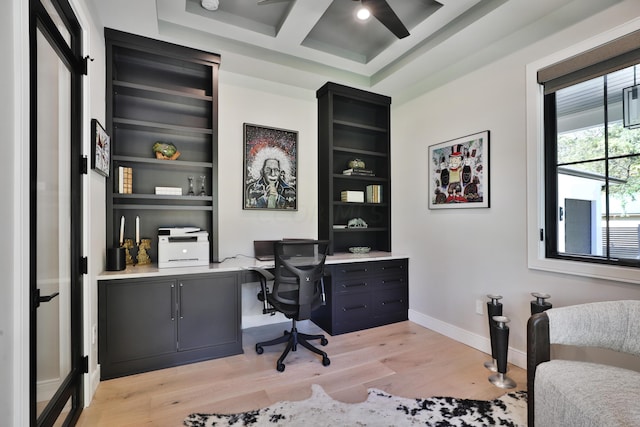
x: 305, y: 43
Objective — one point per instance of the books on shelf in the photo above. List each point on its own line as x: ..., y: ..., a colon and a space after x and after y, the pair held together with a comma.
x: 125, y: 180
x: 169, y: 191
x: 358, y: 171
x: 374, y: 194
x: 352, y: 196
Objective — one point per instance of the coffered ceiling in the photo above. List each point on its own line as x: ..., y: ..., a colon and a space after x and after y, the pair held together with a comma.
x: 305, y: 43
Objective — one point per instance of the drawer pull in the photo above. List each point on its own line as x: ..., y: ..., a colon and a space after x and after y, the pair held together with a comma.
x: 387, y: 282
x: 172, y: 310
x: 355, y: 307
x: 393, y: 267
x: 360, y: 270
x: 396, y: 301
x: 353, y: 285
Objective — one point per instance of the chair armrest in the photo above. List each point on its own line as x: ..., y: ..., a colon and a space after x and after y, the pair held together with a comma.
x: 264, y: 276
x: 538, y: 351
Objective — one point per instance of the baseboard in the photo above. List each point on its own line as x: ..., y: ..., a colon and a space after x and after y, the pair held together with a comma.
x: 479, y: 342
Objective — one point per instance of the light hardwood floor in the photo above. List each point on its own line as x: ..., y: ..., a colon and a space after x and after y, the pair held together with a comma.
x: 404, y: 359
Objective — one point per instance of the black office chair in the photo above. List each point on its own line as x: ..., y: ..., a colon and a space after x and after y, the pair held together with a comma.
x: 297, y: 290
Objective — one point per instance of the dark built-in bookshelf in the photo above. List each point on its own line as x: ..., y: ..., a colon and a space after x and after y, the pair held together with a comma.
x: 157, y: 91
x: 353, y: 124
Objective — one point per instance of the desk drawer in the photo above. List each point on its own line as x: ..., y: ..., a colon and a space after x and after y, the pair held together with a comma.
x: 348, y: 272
x: 391, y: 300
x: 396, y: 268
x: 352, y: 308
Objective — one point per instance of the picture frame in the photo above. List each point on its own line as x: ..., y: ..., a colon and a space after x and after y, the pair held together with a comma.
x: 270, y: 168
x: 100, y: 149
x: 459, y: 173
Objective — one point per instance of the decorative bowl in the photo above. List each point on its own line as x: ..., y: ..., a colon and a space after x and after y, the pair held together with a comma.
x: 359, y: 249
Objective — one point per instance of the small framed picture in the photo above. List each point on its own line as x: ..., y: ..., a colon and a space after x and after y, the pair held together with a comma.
x: 270, y: 168
x: 459, y: 173
x: 100, y: 149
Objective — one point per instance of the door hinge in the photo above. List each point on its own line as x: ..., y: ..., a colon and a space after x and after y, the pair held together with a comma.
x: 84, y: 265
x: 542, y: 234
x: 84, y: 168
x: 84, y: 364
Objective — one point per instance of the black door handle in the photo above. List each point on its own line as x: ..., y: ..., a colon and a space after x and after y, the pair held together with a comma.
x: 45, y: 298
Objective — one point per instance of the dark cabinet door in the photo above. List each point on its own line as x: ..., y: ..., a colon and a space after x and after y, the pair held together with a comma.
x: 140, y: 320
x: 208, y: 311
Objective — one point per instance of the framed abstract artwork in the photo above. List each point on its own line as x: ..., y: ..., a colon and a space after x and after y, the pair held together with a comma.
x: 459, y: 173
x: 100, y: 149
x: 270, y: 168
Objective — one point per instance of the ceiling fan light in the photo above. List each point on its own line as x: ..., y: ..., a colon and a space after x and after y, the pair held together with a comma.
x: 363, y: 13
x: 210, y: 4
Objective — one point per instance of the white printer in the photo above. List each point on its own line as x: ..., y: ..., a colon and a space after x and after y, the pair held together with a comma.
x: 182, y: 247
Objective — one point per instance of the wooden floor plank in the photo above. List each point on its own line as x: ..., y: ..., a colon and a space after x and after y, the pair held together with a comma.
x: 404, y: 359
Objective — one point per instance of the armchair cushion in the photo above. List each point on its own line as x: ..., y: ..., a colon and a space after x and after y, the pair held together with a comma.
x: 581, y: 394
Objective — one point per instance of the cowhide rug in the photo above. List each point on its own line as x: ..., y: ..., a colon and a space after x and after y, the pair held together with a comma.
x: 380, y: 409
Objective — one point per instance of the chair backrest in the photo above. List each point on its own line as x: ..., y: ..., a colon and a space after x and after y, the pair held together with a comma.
x: 609, y: 324
x: 299, y: 269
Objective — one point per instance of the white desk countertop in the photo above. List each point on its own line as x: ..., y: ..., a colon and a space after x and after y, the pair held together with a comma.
x: 237, y: 263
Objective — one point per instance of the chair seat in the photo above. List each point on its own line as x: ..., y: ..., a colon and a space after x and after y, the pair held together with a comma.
x: 289, y: 310
x: 570, y: 393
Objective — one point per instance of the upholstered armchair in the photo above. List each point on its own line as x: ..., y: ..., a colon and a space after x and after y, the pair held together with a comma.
x: 576, y: 393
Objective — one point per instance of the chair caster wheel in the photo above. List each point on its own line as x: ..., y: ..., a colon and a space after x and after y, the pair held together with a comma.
x: 326, y: 361
x: 259, y: 349
x: 324, y: 341
x: 280, y: 367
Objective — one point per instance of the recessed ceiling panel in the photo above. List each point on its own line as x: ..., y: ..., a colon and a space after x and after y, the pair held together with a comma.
x: 340, y: 33
x: 248, y: 14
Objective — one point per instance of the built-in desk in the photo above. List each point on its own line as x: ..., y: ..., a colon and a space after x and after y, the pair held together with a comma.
x: 151, y: 318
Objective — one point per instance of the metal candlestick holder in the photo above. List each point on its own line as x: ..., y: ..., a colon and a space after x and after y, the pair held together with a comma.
x: 539, y: 304
x: 494, y: 308
x: 499, y: 379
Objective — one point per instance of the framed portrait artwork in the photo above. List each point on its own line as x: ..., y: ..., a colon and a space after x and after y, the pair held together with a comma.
x: 459, y: 173
x: 100, y: 149
x: 270, y: 168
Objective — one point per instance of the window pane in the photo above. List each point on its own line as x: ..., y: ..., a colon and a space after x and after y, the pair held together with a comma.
x: 580, y: 209
x: 624, y: 209
x: 580, y: 120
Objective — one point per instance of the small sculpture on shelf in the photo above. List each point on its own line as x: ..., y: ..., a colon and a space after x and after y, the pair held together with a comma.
x: 190, y: 192
x: 356, y: 164
x: 356, y: 223
x: 128, y: 244
x: 165, y: 151
x: 143, y: 257
x: 203, y: 179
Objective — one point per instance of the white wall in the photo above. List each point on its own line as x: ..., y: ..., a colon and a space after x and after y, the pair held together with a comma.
x: 459, y: 256
x: 248, y: 100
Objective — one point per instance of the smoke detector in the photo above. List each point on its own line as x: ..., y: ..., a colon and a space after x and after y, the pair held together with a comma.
x: 210, y: 4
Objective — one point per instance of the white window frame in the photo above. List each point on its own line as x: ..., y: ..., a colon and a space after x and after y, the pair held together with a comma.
x: 535, y: 170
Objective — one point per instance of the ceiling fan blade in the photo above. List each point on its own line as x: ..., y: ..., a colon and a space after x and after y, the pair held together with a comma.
x: 387, y: 17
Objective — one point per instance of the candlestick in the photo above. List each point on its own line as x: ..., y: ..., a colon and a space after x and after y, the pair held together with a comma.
x: 122, y: 230
x: 137, y: 230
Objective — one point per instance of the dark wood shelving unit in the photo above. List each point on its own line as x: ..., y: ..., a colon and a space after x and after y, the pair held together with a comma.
x: 353, y: 123
x: 158, y: 91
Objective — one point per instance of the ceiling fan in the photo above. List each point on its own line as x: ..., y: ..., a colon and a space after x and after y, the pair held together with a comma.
x: 380, y: 9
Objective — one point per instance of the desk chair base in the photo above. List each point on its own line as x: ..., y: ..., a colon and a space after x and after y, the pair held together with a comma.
x: 293, y: 338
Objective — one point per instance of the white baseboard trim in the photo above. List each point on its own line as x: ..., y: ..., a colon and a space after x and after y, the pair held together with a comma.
x: 514, y: 356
